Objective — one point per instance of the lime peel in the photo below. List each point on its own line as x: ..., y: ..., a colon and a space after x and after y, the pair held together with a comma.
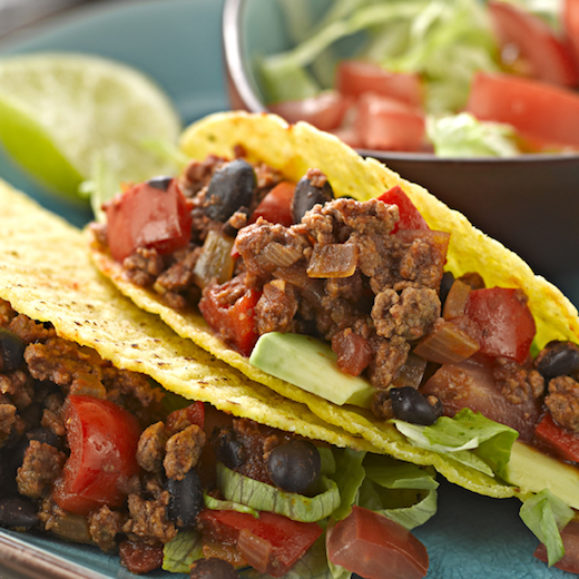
x: 60, y: 111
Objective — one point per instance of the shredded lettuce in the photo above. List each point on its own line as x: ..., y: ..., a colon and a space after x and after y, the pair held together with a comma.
x: 464, y: 136
x: 546, y: 515
x: 221, y: 505
x: 468, y: 437
x: 180, y: 553
x: 261, y: 496
x: 421, y: 36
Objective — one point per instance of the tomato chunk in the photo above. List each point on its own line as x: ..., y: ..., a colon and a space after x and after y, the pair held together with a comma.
x: 410, y: 217
x: 375, y: 547
x: 275, y: 207
x: 507, y: 325
x: 280, y: 540
x: 325, y: 111
x: 146, y: 216
x: 550, y: 58
x: 387, y: 124
x: 103, y: 440
x: 538, y: 111
x: 229, y: 309
x: 356, y: 77
x: 560, y: 440
x: 570, y: 561
x: 571, y: 25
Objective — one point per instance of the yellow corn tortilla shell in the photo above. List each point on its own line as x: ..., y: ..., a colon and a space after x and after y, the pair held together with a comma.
x: 46, y: 274
x: 294, y: 149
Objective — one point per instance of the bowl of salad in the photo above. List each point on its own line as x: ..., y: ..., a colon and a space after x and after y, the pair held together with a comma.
x: 476, y: 101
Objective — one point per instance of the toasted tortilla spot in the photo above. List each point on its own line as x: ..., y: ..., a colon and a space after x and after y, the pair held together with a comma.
x: 295, y: 149
x: 46, y: 274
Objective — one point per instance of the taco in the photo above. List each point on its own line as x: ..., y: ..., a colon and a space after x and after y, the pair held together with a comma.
x: 341, y: 286
x: 116, y: 432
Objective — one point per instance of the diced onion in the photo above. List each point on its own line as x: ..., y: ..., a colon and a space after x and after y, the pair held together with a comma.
x: 215, y: 264
x: 281, y: 255
x: 446, y: 344
x: 411, y: 373
x: 456, y: 300
x: 333, y: 260
x: 255, y: 550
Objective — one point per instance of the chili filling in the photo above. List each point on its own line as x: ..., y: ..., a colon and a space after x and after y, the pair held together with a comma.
x: 368, y: 278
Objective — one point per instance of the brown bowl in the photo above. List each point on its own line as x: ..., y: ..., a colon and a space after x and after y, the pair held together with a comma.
x: 530, y: 203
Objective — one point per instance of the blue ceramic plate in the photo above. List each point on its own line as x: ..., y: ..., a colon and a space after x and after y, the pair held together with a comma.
x: 178, y: 42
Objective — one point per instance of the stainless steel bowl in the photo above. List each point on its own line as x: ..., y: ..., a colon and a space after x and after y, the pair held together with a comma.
x: 530, y: 203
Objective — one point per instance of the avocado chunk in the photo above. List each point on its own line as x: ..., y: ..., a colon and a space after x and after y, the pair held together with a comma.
x: 311, y: 365
x: 533, y: 471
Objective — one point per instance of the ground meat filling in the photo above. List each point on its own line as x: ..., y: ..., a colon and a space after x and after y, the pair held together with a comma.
x: 39, y: 370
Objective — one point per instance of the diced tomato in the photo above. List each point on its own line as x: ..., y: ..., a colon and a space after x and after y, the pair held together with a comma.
x: 537, y: 110
x: 229, y: 309
x: 276, y: 206
x: 356, y: 77
x: 373, y: 546
x: 383, y: 123
x: 410, y: 217
x: 281, y: 541
x: 325, y: 111
x: 475, y: 382
x: 570, y: 561
x: 183, y: 417
x: 146, y: 216
x: 559, y: 440
x: 571, y: 25
x: 508, y: 327
x: 550, y: 58
x: 103, y: 440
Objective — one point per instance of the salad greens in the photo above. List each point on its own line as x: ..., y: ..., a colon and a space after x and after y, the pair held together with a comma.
x: 444, y: 41
x: 403, y: 492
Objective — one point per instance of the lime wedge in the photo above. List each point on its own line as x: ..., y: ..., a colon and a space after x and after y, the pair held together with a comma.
x: 61, y: 114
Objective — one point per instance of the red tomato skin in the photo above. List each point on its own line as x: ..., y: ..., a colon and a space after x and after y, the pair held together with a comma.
x: 289, y: 539
x: 103, y: 440
x: 551, y: 58
x: 410, y: 217
x: 386, y: 124
x: 234, y: 322
x: 570, y: 561
x: 559, y: 440
x: 375, y: 547
x: 145, y: 216
x: 325, y: 111
x: 571, y: 26
x: 507, y: 325
x: 355, y: 78
x: 541, y: 112
x: 275, y: 207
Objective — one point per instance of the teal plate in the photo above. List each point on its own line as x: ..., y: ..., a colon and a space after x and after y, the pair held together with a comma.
x: 178, y: 43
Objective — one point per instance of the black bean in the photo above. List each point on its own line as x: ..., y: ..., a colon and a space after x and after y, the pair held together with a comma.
x: 558, y: 359
x: 410, y: 405
x: 17, y: 513
x: 11, y: 351
x: 230, y: 188
x: 307, y: 195
x: 185, y: 499
x: 229, y: 450
x: 160, y: 182
x: 294, y: 466
x: 213, y: 568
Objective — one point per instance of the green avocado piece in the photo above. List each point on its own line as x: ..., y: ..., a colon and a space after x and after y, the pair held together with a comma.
x: 533, y: 471
x: 311, y: 365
